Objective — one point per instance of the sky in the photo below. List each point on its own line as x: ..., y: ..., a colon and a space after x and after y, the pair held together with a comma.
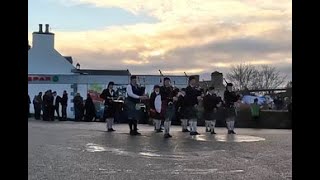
x: 176, y: 36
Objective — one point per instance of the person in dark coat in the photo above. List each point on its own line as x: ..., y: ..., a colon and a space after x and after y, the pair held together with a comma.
x: 155, y: 108
x: 37, y: 104
x: 108, y: 95
x: 46, y: 106
x: 191, y: 103
x: 168, y: 109
x: 50, y: 105
x: 78, y: 107
x: 89, y: 108
x: 211, y: 103
x: 56, y: 104
x: 64, y: 104
x: 230, y: 97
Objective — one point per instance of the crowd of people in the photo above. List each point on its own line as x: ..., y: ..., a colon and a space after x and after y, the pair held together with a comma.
x: 49, y: 103
x: 166, y: 102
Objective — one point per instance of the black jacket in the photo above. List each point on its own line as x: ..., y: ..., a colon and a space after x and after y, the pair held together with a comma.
x: 191, y: 96
x: 180, y: 105
x: 106, y: 95
x: 78, y: 102
x: 230, y: 98
x: 167, y: 93
x: 210, y: 102
x: 89, y: 107
x: 64, y: 100
x: 58, y: 100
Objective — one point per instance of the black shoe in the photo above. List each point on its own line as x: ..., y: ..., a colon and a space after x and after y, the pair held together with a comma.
x: 185, y: 130
x: 169, y: 135
x: 112, y: 129
x: 229, y: 132
x: 213, y: 132
x: 196, y: 133
x: 166, y: 136
x: 136, y: 133
x: 109, y: 130
x: 132, y: 133
x: 232, y: 132
x: 192, y: 133
x: 158, y: 131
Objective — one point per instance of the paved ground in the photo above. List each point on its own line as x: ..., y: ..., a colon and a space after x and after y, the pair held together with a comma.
x: 84, y: 151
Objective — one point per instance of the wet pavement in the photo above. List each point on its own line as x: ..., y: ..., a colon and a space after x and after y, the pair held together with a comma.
x: 85, y: 151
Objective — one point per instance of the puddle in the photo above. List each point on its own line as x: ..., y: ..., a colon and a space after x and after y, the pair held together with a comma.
x: 75, y: 149
x: 149, y: 154
x: 236, y: 171
x: 199, y: 138
x: 237, y: 138
x: 232, y: 171
x: 94, y: 148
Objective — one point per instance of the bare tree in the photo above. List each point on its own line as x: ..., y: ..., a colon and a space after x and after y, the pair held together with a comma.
x: 268, y: 78
x: 248, y: 76
x: 242, y: 75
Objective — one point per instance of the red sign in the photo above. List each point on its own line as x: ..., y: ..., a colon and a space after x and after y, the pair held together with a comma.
x: 39, y: 78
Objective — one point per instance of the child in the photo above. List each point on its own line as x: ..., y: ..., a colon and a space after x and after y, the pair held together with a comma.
x: 155, y: 108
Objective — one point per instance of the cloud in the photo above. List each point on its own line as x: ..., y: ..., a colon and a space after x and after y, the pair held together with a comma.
x: 192, y: 36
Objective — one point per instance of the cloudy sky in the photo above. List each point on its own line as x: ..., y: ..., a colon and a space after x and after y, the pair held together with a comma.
x: 176, y: 36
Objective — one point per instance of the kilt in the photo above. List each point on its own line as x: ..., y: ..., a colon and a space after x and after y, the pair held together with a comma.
x: 109, y: 111
x: 170, y: 112
x: 230, y: 112
x: 130, y: 107
x: 190, y: 113
x: 200, y: 114
x: 209, y: 115
x: 155, y: 115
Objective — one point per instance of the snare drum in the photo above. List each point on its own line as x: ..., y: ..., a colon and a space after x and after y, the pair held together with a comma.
x: 139, y: 106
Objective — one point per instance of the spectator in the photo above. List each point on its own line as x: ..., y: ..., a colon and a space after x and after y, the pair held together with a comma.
x: 255, y: 111
x: 89, y: 108
x: 78, y: 107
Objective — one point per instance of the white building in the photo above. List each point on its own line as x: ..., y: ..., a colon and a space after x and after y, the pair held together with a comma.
x: 48, y: 69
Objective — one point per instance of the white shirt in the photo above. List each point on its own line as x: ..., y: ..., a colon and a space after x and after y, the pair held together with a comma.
x: 54, y: 100
x: 130, y: 93
x: 157, y: 103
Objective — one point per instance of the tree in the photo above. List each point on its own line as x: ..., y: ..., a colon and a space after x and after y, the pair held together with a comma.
x: 269, y: 78
x: 241, y: 76
x: 246, y: 76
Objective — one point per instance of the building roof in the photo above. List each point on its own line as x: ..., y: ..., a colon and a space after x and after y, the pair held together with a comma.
x: 216, y: 72
x: 69, y: 59
x: 103, y: 72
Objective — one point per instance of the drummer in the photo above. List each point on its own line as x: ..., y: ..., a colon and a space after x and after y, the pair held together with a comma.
x: 131, y: 101
x: 109, y: 111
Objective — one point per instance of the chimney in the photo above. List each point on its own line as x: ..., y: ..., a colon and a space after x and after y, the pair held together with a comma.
x: 47, y: 28
x: 40, y: 28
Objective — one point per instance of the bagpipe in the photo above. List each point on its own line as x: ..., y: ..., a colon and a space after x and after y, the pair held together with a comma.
x: 141, y: 92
